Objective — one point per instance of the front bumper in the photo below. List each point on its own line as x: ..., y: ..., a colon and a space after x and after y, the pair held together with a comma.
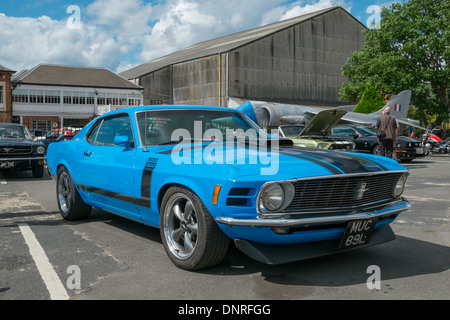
x: 260, y: 221
x: 20, y: 163
x: 310, y: 237
x: 278, y: 254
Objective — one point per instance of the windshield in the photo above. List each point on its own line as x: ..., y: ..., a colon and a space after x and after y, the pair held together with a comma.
x: 172, y: 126
x: 366, y: 131
x: 14, y: 132
x: 292, y: 131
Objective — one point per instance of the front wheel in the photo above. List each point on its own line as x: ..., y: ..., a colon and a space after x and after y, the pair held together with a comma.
x: 70, y: 204
x: 190, y: 235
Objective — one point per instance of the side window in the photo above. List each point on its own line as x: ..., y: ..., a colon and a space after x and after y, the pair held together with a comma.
x: 105, y: 131
x: 92, y: 136
x: 343, y: 131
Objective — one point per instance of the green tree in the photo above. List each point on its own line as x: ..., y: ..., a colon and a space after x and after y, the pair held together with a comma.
x: 410, y: 51
x: 371, y: 101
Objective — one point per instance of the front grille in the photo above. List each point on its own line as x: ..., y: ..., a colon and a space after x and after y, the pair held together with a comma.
x: 15, y: 150
x: 341, y: 193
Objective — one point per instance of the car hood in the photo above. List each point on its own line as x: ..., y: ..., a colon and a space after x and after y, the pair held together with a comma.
x: 406, y: 139
x: 322, y: 123
x: 18, y: 142
x: 283, y: 163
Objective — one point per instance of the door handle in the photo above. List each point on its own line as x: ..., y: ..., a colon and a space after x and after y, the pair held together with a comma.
x: 87, y: 153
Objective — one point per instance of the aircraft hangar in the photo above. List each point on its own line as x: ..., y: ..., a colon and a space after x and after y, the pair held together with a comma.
x: 295, y: 61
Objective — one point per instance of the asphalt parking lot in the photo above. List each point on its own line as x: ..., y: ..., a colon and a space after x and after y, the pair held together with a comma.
x: 107, y: 257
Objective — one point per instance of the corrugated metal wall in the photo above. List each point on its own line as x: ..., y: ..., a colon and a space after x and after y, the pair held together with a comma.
x: 197, y: 81
x: 300, y: 65
x: 157, y: 87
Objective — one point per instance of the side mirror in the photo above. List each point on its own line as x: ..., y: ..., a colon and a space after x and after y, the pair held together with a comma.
x: 122, y: 141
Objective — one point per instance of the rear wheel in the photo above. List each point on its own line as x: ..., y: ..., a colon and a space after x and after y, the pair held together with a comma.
x: 70, y: 204
x: 190, y: 235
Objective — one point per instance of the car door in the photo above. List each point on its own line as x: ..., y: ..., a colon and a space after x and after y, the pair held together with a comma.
x: 108, y: 168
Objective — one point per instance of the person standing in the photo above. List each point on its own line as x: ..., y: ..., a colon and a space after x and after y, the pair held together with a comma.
x: 388, y: 124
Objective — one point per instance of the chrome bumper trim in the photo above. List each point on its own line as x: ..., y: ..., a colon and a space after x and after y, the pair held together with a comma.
x: 286, y: 222
x: 22, y: 159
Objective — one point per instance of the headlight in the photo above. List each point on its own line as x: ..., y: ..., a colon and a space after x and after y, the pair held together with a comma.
x: 275, y: 196
x: 400, y: 186
x: 272, y: 197
x: 40, y: 150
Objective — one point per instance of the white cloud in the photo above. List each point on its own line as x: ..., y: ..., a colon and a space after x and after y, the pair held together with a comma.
x: 108, y: 30
x: 182, y: 23
x: 118, y: 34
x: 299, y: 8
x: 27, y: 42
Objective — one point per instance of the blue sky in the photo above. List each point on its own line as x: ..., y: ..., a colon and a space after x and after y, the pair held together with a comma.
x: 119, y: 34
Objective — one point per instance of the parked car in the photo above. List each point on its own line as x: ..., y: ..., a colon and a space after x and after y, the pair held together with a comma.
x: 19, y: 152
x: 315, y: 133
x: 36, y: 134
x: 205, y: 175
x: 64, y: 137
x: 366, y: 140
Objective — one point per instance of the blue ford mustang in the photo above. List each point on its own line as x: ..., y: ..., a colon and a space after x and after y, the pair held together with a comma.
x: 205, y: 175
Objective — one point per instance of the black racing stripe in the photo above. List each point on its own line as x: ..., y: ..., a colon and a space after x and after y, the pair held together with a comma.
x: 143, y: 201
x: 174, y: 149
x: 383, y: 168
x: 337, y: 162
x: 109, y: 194
x: 346, y: 162
x: 326, y: 165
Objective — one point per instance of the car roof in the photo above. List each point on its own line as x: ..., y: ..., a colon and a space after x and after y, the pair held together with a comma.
x: 166, y: 107
x: 11, y: 124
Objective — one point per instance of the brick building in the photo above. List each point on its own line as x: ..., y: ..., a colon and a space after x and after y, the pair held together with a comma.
x: 5, y: 94
x: 50, y: 96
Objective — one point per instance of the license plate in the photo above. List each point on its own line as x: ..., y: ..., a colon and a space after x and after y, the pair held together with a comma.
x: 6, y: 164
x: 357, y: 233
x: 419, y: 150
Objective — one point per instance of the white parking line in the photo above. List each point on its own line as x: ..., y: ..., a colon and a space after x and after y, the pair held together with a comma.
x: 48, y: 274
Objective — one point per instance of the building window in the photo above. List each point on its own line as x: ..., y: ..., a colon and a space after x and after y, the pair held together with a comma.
x: 20, y: 95
x: 52, y: 97
x: 155, y: 102
x: 122, y: 99
x: 1, y: 94
x: 90, y: 99
x: 112, y: 99
x: 67, y: 97
x: 36, y: 96
x: 79, y: 97
x: 134, y: 100
x: 101, y: 99
x: 44, y: 125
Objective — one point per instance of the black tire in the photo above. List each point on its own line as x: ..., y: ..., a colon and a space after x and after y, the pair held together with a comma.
x: 71, y: 206
x: 190, y: 236
x: 38, y: 172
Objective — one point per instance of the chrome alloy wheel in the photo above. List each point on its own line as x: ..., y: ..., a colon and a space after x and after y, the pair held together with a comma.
x: 64, y: 192
x: 180, y: 226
